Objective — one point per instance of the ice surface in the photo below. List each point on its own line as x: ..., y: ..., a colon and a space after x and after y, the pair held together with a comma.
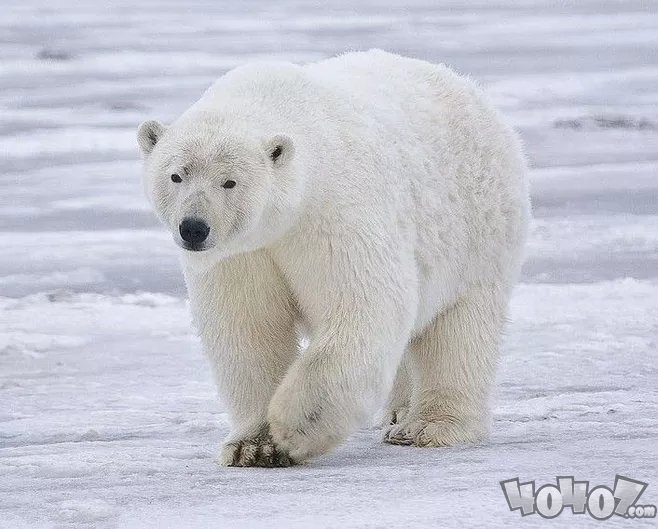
x: 108, y: 414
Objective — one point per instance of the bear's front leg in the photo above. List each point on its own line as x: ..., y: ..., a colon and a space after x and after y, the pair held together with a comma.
x: 360, y: 305
x: 338, y: 381
x: 246, y: 319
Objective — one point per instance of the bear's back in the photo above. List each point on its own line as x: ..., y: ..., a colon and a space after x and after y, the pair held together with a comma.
x: 376, y: 74
x: 370, y: 89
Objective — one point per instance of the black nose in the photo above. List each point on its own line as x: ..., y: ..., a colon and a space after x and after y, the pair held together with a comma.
x: 194, y: 231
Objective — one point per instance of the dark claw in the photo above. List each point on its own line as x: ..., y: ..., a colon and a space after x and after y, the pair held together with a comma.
x: 260, y: 452
x: 402, y: 441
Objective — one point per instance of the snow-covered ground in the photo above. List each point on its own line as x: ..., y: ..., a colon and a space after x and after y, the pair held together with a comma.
x: 108, y: 414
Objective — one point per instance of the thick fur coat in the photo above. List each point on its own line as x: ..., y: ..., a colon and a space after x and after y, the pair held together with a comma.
x: 373, y: 204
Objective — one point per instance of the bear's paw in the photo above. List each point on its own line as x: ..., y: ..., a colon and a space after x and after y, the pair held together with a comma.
x: 259, y: 451
x: 435, y: 433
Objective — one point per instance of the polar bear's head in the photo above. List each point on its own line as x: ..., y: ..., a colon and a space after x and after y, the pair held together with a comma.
x: 219, y: 191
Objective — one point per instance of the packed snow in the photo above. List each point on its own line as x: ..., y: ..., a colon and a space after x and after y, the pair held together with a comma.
x: 108, y: 413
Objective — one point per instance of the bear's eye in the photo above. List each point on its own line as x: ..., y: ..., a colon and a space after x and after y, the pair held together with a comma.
x: 276, y: 152
x: 176, y: 178
x: 228, y: 184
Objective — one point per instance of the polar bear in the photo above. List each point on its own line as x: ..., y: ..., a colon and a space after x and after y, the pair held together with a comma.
x: 372, y: 205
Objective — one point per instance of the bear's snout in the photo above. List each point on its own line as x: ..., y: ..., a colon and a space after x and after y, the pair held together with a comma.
x: 193, y: 232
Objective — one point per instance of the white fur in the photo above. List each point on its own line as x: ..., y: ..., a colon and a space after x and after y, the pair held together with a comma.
x: 389, y: 232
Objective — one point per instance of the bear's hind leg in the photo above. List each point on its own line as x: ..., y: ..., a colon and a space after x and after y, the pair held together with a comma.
x: 453, y: 363
x: 399, y: 399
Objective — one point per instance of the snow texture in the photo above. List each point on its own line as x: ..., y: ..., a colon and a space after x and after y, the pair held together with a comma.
x: 108, y: 413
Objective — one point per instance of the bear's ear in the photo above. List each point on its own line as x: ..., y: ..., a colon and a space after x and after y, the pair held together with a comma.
x: 148, y: 135
x: 280, y: 149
